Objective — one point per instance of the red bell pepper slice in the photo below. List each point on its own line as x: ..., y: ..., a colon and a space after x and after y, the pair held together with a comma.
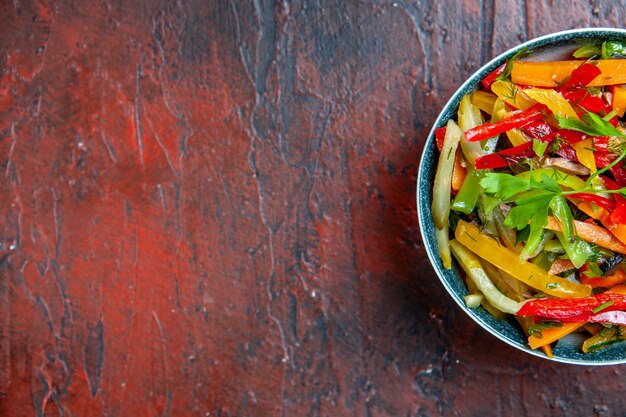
x: 580, y: 308
x: 619, y: 277
x: 597, y: 199
x: 538, y: 129
x: 518, y: 120
x: 567, y: 152
x: 588, y: 102
x: 571, y: 136
x: 619, y: 172
x: 504, y: 157
x: 489, y: 79
x: 602, y: 159
x: 609, y: 184
x: 607, y: 317
x: 618, y: 215
x: 601, y: 143
x: 580, y: 77
x: 440, y: 135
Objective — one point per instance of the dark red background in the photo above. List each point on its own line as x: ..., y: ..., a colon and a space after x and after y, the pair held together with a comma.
x: 209, y: 210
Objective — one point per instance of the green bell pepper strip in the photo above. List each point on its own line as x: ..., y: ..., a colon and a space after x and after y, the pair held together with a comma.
x: 466, y: 198
x: 576, y: 249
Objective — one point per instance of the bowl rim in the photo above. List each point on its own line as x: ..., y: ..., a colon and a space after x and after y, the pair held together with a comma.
x: 423, y: 210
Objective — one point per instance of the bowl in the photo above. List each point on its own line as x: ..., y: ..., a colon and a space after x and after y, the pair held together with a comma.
x: 568, y: 349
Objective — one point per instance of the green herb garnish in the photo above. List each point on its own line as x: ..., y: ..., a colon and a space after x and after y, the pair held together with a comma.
x: 536, y: 329
x: 591, y: 124
x: 602, y: 307
x: 613, y: 49
x: 593, y: 270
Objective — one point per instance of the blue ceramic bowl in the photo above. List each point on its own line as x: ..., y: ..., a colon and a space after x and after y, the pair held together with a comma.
x: 567, y: 350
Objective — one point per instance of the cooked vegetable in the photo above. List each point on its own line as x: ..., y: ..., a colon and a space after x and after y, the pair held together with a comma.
x: 591, y: 233
x: 619, y: 99
x: 474, y: 270
x: 491, y: 251
x: 573, y: 309
x: 517, y: 120
x: 539, y: 195
x: 443, y: 177
x: 443, y: 244
x: 551, y: 74
x: 466, y: 198
x: 469, y: 117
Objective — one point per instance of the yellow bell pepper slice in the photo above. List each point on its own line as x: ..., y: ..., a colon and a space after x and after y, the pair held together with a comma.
x: 484, y: 101
x: 584, y: 153
x: 511, y: 94
x: 475, y: 271
x: 507, y: 260
x: 553, y: 100
x: 517, y: 137
x: 551, y: 74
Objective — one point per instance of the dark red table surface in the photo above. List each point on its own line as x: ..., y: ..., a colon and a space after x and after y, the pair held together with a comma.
x: 209, y: 210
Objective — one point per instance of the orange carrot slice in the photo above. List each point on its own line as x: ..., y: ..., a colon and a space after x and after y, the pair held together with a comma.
x: 592, y: 233
x: 599, y: 213
x: 560, y: 265
x: 458, y: 172
x: 618, y: 277
x: 553, y: 334
x: 551, y: 74
x: 619, y: 99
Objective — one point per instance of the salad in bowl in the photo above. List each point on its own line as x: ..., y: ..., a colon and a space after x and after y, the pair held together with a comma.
x: 527, y: 204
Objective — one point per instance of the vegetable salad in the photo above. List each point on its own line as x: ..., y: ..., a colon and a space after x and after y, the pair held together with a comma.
x: 529, y: 195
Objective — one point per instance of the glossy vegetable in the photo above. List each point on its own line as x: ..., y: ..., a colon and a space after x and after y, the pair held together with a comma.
x: 507, y: 260
x: 443, y: 177
x: 538, y: 190
x: 551, y: 74
x: 573, y: 309
x: 517, y: 120
x: 471, y: 265
x: 592, y: 234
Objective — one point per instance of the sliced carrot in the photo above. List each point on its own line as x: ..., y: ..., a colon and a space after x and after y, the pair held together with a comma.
x: 618, y: 277
x: 591, y: 232
x: 560, y: 265
x: 458, y: 172
x: 599, y: 213
x: 619, y: 99
x: 553, y: 334
x: 551, y: 74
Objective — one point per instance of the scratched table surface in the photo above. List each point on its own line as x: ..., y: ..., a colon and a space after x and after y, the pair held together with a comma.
x: 209, y: 210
